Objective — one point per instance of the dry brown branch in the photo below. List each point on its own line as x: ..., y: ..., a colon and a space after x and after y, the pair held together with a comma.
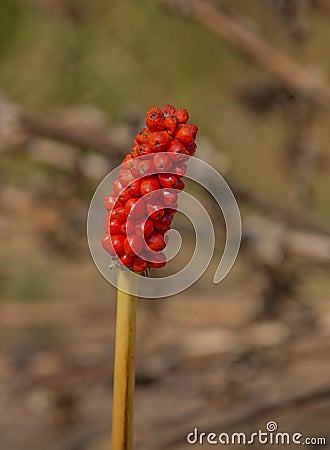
x: 323, y: 5
x: 282, y: 67
x: 295, y: 217
x: 55, y: 129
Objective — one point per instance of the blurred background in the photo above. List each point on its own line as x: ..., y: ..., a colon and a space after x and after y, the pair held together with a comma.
x: 76, y: 78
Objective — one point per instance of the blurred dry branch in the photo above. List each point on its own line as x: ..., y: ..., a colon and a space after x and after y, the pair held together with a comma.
x: 233, y: 30
x: 323, y: 5
x: 295, y: 217
x: 53, y: 128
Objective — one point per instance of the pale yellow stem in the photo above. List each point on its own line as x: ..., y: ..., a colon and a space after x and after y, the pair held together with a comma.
x: 124, y: 368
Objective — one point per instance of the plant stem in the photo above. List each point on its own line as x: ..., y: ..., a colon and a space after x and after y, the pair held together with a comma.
x: 124, y: 368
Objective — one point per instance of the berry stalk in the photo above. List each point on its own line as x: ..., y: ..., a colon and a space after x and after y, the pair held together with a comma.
x: 124, y: 367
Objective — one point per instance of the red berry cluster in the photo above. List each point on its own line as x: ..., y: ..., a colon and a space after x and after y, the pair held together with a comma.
x: 141, y: 210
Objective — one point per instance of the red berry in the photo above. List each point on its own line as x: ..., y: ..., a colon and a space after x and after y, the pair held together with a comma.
x: 155, y: 210
x: 139, y: 264
x: 124, y: 196
x: 110, y: 202
x: 169, y: 196
x: 106, y: 244
x: 180, y: 185
x: 136, y: 210
x: 144, y: 228
x: 119, y: 214
x: 162, y: 162
x: 182, y: 115
x: 171, y: 211
x: 171, y: 123
x: 159, y: 140
x: 134, y: 167
x: 146, y: 167
x: 155, y: 119
x: 186, y: 133
x: 155, y: 241
x: 149, y: 184
x: 164, y: 223
x: 167, y: 180
x: 168, y: 110
x: 134, y: 188
x: 177, y: 150
x: 143, y: 136
x: 133, y: 244
x: 114, y: 244
x: 191, y: 149
x: 125, y: 177
x: 179, y: 169
x: 126, y: 259
x: 115, y: 227
x: 143, y: 149
x: 134, y: 153
x: 117, y: 186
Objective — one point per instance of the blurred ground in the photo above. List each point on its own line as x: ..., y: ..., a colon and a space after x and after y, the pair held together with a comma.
x: 222, y: 358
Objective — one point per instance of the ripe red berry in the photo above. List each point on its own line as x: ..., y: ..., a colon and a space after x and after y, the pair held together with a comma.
x: 115, y: 227
x: 162, y: 162
x: 155, y: 119
x: 177, y: 150
x: 143, y: 136
x: 149, y: 184
x: 169, y: 196
x: 182, y: 115
x: 117, y: 186
x: 155, y: 210
x: 179, y: 169
x: 191, y: 149
x: 139, y: 265
x: 124, y: 196
x: 133, y: 244
x: 180, y: 185
x: 143, y: 149
x: 159, y: 140
x: 164, y: 223
x: 171, y: 123
x: 106, y: 244
x: 186, y: 133
x: 167, y: 180
x: 135, y: 210
x: 171, y: 211
x: 119, y: 214
x: 114, y: 244
x: 144, y: 227
x: 155, y: 241
x: 125, y: 177
x: 134, y: 188
x: 126, y: 259
x: 146, y: 167
x: 134, y: 167
x: 110, y: 202
x: 168, y: 110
